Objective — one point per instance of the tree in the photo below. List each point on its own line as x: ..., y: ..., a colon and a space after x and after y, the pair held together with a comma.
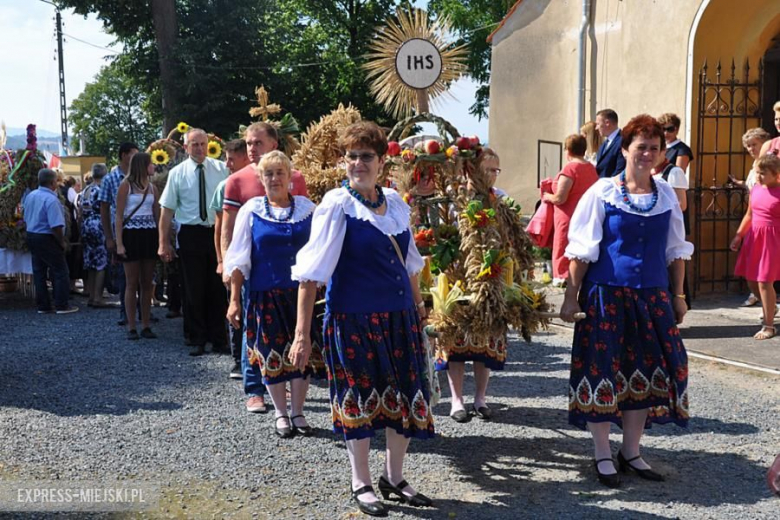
x: 474, y: 20
x: 114, y: 109
x: 138, y: 21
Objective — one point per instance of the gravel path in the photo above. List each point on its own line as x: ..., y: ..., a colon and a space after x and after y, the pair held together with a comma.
x: 79, y: 402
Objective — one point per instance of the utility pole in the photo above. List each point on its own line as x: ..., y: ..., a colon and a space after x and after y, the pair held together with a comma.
x: 63, y: 102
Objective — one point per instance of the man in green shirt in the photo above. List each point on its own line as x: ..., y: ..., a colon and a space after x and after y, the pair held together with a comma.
x: 235, y: 159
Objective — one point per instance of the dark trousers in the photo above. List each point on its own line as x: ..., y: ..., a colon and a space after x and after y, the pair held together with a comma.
x: 236, y: 337
x: 48, y: 255
x: 205, y: 297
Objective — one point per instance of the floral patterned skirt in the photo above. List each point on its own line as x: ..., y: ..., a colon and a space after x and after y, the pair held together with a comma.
x: 377, y: 374
x: 627, y: 355
x: 270, y: 330
x: 492, y: 354
x: 95, y: 252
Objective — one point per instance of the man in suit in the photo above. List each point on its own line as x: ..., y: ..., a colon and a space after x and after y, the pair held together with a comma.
x: 609, y: 159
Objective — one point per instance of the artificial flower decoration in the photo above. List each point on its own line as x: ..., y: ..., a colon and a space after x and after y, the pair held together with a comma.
x: 182, y: 127
x: 160, y: 157
x: 214, y: 150
x: 479, y: 217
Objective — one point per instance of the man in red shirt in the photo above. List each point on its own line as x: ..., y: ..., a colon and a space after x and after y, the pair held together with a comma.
x: 241, y: 186
x: 245, y: 184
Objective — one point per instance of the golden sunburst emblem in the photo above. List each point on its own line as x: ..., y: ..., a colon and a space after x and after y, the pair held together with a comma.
x: 390, y: 90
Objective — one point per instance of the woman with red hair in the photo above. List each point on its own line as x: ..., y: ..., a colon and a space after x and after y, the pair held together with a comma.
x: 568, y: 188
x: 629, y: 366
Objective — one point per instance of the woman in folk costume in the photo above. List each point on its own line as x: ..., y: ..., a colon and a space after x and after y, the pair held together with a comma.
x: 629, y: 366
x: 268, y: 233
x: 361, y: 246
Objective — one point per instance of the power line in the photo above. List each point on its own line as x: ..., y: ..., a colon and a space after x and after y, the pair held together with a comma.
x: 91, y: 44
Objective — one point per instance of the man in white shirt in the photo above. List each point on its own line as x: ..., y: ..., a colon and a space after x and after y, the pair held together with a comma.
x: 190, y: 187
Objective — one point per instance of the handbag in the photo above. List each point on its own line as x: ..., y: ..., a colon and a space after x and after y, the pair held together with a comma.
x: 430, y: 375
x: 540, y: 228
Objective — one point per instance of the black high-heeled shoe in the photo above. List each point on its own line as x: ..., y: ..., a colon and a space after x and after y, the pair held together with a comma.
x: 369, y: 508
x: 611, y: 481
x: 306, y: 431
x: 417, y: 500
x: 647, y: 474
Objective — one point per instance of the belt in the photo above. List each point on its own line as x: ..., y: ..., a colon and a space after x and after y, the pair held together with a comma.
x: 197, y: 226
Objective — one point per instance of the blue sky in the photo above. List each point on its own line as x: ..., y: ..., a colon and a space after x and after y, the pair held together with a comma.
x: 29, y: 91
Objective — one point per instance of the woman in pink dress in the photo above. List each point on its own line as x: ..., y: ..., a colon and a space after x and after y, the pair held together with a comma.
x: 773, y: 147
x: 568, y: 188
x: 759, y: 238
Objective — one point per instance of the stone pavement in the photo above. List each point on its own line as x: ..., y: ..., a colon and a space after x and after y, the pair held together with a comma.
x: 718, y: 327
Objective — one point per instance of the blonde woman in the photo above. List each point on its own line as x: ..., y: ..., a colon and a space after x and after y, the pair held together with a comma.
x: 268, y: 233
x: 594, y: 139
x: 773, y: 147
x: 137, y: 214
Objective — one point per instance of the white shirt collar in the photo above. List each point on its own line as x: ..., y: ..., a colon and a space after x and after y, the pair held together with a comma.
x: 611, y: 137
x: 669, y: 145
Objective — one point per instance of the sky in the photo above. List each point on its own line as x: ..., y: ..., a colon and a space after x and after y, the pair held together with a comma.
x: 29, y: 90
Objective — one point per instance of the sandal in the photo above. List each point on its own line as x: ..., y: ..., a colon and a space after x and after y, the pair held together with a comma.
x: 751, y: 300
x: 766, y: 332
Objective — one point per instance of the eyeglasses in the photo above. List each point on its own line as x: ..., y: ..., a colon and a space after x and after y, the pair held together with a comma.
x: 494, y: 171
x: 669, y: 129
x: 365, y: 158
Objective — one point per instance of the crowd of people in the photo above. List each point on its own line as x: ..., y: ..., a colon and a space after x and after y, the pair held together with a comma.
x: 253, y: 252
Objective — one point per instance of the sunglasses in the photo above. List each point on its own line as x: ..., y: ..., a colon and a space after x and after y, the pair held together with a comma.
x: 669, y: 129
x: 365, y: 158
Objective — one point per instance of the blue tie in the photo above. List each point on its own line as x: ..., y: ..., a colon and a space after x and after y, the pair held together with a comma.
x: 601, y: 151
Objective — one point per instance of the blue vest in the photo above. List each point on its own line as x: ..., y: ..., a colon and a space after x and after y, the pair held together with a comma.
x: 274, y: 246
x: 632, y: 252
x: 369, y: 276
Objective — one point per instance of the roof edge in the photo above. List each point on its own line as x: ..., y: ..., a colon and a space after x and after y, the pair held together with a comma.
x: 503, y: 22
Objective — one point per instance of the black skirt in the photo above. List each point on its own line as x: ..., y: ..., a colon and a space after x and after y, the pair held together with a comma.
x: 140, y: 244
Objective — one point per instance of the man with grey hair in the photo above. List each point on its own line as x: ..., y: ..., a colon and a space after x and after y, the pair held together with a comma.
x: 45, y: 219
x: 190, y: 187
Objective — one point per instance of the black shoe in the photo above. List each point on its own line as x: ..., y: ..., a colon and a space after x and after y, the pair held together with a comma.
x: 369, y: 508
x: 647, y: 474
x: 148, y: 334
x: 483, y: 412
x: 611, y: 481
x: 198, y: 350
x: 173, y: 314
x: 461, y: 416
x: 132, y: 334
x: 153, y: 319
x: 386, y: 488
x: 286, y: 431
x: 306, y: 431
x: 236, y: 372
x: 220, y: 349
x: 122, y: 322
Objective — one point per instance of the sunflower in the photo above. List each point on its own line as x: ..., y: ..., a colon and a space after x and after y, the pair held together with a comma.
x: 214, y: 150
x: 182, y: 127
x: 160, y: 157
